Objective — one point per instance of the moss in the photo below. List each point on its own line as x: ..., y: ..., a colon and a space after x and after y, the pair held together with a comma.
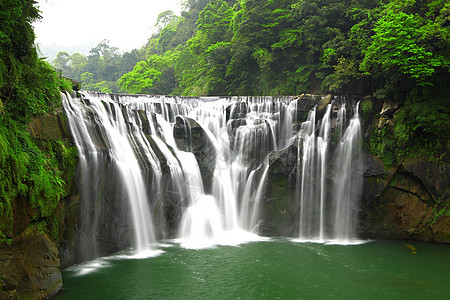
x: 40, y: 171
x: 366, y: 109
x: 419, y: 128
x: 279, y: 180
x: 440, y: 210
x: 393, y: 181
x: 384, y: 146
x: 422, y: 128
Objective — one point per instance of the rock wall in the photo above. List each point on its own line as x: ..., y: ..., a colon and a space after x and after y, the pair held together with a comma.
x: 411, y: 202
x: 280, y: 209
x: 410, y: 199
x: 30, y: 265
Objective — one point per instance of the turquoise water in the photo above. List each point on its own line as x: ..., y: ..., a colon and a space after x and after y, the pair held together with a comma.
x: 275, y: 269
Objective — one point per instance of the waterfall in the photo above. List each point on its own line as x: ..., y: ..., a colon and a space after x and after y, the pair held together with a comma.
x: 116, y: 139
x: 348, y: 181
x: 241, y: 146
x: 195, y: 169
x: 329, y: 191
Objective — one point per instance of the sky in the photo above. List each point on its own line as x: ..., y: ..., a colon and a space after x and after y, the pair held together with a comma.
x: 127, y: 24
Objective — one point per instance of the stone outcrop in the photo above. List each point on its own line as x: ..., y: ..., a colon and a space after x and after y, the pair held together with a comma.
x: 279, y: 209
x: 190, y: 136
x: 50, y: 127
x: 411, y: 202
x: 30, y: 263
x: 30, y: 267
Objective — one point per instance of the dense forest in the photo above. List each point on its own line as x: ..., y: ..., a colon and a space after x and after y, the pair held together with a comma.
x: 392, y: 50
x: 284, y: 47
x: 29, y: 168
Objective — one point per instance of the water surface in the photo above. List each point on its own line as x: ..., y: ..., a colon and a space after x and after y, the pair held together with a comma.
x: 274, y: 269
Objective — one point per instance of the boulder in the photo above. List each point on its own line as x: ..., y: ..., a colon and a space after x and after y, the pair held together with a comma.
x: 389, y: 108
x: 305, y: 103
x: 323, y: 103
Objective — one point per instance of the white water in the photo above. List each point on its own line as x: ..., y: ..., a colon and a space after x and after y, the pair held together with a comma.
x: 329, y: 217
x: 348, y: 182
x: 121, y: 153
x: 232, y: 210
x: 137, y: 132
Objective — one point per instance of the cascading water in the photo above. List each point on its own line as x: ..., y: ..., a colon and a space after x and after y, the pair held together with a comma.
x: 348, y: 181
x: 116, y: 138
x: 329, y: 215
x: 231, y: 211
x: 195, y: 168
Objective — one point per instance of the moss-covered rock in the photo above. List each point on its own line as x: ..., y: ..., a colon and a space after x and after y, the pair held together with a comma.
x: 50, y: 127
x: 406, y: 193
x: 36, y: 191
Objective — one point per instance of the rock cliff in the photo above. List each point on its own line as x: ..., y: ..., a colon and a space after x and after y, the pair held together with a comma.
x: 30, y: 265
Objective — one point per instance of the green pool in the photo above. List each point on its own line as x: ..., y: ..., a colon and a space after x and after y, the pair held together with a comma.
x: 272, y: 269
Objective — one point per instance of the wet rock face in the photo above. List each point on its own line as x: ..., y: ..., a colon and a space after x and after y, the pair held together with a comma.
x: 50, y: 127
x: 435, y: 177
x: 305, y: 103
x: 30, y: 267
x: 408, y: 202
x: 190, y: 136
x: 279, y: 208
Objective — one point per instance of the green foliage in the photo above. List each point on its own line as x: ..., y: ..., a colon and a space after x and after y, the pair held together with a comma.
x: 156, y: 75
x: 28, y: 87
x: 100, y: 70
x: 366, y: 109
x: 394, y: 50
x: 383, y: 145
x: 254, y: 47
x: 400, y: 42
x: 423, y: 128
x: 345, y: 72
x: 141, y: 79
x: 25, y: 172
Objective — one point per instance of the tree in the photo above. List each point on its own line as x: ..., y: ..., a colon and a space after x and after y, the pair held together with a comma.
x: 62, y: 62
x: 408, y: 43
